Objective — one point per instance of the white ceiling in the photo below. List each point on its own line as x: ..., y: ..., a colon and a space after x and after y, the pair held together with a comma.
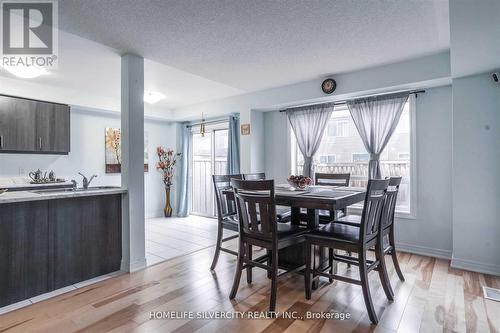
x: 88, y: 74
x: 254, y: 45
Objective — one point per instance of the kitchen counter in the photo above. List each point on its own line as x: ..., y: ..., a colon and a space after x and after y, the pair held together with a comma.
x: 24, y: 196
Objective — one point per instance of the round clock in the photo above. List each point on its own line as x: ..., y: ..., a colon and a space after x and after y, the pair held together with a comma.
x: 328, y: 86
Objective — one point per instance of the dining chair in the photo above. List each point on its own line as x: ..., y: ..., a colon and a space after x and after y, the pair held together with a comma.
x: 331, y: 179
x: 349, y: 238
x: 265, y: 232
x: 387, y: 222
x: 283, y: 214
x: 227, y: 217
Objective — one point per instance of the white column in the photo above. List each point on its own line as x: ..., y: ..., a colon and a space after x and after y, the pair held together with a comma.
x: 132, y: 168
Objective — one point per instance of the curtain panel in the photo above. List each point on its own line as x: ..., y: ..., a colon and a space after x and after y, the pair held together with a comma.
x: 184, y: 186
x: 308, y: 124
x: 233, y: 147
x: 376, y: 118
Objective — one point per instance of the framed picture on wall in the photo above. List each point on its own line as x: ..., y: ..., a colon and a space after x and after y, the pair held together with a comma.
x: 245, y: 129
x: 113, y: 150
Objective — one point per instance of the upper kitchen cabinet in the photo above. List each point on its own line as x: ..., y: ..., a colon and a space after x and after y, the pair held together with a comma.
x: 17, y: 124
x: 52, y: 128
x: 30, y: 126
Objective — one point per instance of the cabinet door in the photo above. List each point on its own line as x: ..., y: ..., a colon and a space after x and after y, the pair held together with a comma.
x: 52, y: 127
x: 17, y: 124
x: 23, y: 251
x: 85, y: 240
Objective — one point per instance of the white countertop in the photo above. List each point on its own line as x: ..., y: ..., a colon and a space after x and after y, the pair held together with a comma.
x: 22, y: 196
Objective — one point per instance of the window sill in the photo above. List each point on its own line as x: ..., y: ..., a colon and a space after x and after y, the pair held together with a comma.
x: 399, y: 215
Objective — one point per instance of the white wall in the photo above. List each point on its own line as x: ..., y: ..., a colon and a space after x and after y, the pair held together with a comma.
x: 476, y: 173
x: 430, y: 233
x: 87, y: 156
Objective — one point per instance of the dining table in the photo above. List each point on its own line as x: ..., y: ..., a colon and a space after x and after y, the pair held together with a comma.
x: 305, y: 205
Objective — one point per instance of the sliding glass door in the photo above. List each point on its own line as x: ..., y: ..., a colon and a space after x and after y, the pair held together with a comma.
x: 209, y: 158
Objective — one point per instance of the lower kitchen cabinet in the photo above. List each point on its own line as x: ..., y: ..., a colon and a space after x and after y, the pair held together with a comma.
x: 50, y: 244
x: 86, y: 238
x: 24, y: 256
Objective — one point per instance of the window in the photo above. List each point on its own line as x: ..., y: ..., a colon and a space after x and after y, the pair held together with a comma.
x: 327, y: 159
x: 360, y: 157
x: 338, y: 129
x: 348, y: 154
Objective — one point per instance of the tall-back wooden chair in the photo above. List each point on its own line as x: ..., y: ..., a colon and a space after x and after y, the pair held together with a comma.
x: 227, y: 217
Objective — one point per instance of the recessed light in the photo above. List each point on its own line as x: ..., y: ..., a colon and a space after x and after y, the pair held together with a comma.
x: 26, y: 72
x: 152, y: 97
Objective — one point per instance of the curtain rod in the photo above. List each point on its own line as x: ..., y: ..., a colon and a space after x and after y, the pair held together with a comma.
x: 416, y: 92
x: 210, y: 122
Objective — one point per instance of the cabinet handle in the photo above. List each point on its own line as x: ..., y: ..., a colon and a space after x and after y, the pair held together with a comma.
x: 40, y: 143
x: 1, y: 141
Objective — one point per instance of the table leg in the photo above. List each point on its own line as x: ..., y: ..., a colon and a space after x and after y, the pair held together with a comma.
x: 295, y: 215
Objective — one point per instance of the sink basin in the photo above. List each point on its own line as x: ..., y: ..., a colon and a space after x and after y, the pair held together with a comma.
x: 66, y: 190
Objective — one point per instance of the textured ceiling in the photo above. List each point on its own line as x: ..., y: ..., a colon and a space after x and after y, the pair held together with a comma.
x: 254, y: 45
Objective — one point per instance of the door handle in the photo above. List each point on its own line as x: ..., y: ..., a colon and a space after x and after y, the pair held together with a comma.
x: 40, y: 143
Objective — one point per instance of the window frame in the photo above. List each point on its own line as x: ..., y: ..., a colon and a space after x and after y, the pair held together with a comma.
x: 405, y: 215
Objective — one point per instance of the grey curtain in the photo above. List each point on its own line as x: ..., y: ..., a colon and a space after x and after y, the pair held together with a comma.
x: 376, y: 119
x: 308, y: 124
x: 233, y: 147
x: 185, y: 138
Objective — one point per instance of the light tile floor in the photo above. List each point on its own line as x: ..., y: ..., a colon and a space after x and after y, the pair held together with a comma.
x: 167, y: 238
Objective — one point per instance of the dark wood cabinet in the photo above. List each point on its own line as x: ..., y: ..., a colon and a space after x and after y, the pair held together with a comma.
x: 17, y: 124
x: 30, y: 126
x: 52, y: 127
x: 86, y: 238
x: 50, y: 244
x: 24, y: 256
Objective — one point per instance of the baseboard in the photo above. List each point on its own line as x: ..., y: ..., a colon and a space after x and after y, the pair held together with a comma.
x: 425, y: 251
x: 475, y: 266
x: 133, y: 266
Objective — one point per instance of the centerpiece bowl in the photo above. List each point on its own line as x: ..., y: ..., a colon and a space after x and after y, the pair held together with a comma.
x: 299, y: 182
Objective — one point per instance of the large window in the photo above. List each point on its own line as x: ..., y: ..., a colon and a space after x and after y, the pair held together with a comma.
x: 342, y: 151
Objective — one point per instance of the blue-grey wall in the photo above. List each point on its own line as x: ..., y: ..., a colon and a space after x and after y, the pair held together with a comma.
x: 476, y: 173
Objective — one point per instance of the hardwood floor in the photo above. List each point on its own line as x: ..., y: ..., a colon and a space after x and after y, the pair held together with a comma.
x: 434, y: 298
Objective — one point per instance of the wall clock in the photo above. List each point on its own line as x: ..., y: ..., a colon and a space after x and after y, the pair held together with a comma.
x: 328, y: 86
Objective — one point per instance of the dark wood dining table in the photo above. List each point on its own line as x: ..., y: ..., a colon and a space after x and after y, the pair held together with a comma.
x: 313, y: 200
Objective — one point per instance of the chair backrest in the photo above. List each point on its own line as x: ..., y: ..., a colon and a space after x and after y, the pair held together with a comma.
x: 372, y: 210
x: 255, y: 176
x: 390, y: 202
x: 332, y: 179
x: 225, y: 207
x: 255, y: 203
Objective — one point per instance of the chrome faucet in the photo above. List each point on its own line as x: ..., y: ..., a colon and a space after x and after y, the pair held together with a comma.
x: 86, y: 182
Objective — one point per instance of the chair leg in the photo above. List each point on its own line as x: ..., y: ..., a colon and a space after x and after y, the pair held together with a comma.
x: 382, y: 271
x: 394, y: 255
x: 218, y: 245
x: 274, y: 279
x: 363, y: 274
x: 307, y: 271
x: 349, y: 253
x: 269, y: 262
x: 330, y: 263
x: 237, y: 273
x: 249, y: 268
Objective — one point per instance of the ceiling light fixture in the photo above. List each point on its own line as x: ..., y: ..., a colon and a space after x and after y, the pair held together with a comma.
x: 152, y: 97
x: 26, y: 72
